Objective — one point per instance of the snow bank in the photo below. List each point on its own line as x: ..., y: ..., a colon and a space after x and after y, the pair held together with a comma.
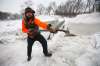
x: 47, y: 18
x: 10, y: 25
x: 85, y: 18
x: 56, y: 21
x: 92, y: 56
x: 97, y: 38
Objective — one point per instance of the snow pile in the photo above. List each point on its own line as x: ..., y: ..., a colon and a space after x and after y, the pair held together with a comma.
x: 85, y: 18
x: 56, y: 21
x: 47, y: 18
x: 50, y: 19
x: 92, y: 56
x: 76, y: 51
x: 10, y: 25
x: 97, y: 38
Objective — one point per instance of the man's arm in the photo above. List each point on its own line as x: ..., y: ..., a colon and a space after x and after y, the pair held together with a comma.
x: 45, y: 26
x: 41, y: 24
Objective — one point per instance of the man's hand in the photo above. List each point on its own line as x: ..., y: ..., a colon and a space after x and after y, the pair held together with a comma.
x: 32, y: 33
x: 51, y: 29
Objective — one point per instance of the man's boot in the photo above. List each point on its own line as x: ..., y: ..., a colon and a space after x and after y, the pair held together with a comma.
x: 48, y: 54
x: 29, y: 58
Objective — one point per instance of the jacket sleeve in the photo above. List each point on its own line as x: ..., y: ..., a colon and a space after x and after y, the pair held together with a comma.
x: 24, y: 29
x: 41, y: 24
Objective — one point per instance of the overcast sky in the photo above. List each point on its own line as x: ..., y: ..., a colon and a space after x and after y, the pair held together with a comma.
x: 14, y: 6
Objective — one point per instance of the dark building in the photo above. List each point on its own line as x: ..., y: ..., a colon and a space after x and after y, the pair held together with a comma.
x: 97, y: 5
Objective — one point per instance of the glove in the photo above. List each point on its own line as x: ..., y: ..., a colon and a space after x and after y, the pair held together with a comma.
x: 51, y: 29
x: 32, y: 33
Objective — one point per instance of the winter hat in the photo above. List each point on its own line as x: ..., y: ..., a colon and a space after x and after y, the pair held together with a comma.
x: 28, y: 9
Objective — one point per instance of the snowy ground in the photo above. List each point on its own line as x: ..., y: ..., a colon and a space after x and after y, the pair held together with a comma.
x: 81, y: 50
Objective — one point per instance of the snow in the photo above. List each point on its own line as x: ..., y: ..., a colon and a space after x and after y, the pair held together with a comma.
x: 9, y: 25
x: 85, y: 18
x: 56, y: 21
x: 81, y: 50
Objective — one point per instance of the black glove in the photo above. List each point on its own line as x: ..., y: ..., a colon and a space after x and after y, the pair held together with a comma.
x: 32, y: 33
x: 49, y: 26
x: 51, y: 29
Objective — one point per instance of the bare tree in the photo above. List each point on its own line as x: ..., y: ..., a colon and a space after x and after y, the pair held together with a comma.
x: 25, y: 4
x: 89, y: 6
x: 71, y: 7
x: 51, y: 8
x: 40, y: 10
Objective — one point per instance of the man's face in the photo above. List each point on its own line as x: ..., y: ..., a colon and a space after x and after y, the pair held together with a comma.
x: 29, y: 14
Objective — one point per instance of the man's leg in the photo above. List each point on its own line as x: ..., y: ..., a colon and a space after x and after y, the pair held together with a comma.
x: 29, y: 47
x: 43, y: 41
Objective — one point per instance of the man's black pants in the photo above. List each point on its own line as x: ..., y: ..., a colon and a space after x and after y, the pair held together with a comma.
x: 31, y: 41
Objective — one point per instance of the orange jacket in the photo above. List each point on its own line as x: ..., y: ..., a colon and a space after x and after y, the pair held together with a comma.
x: 37, y: 22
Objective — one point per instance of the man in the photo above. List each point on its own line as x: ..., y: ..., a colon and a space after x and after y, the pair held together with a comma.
x: 30, y: 25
